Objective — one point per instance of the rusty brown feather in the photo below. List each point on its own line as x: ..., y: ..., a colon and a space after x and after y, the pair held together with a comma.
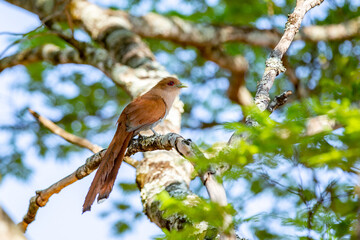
x: 143, y: 113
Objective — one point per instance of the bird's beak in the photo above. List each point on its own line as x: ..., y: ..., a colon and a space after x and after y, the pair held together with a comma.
x: 181, y: 85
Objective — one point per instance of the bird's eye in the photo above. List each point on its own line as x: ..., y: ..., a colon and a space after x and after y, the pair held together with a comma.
x: 171, y: 83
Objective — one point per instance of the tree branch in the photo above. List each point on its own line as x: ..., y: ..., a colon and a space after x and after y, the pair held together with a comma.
x: 127, y: 48
x: 279, y: 100
x: 185, y: 32
x: 182, y: 31
x: 48, y: 52
x: 9, y: 230
x: 142, y: 144
x: 202, y: 36
x: 81, y: 142
x: 42, y: 196
x: 81, y: 53
x: 331, y: 32
x: 274, y: 64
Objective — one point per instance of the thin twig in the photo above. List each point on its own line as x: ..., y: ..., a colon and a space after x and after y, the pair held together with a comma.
x: 42, y: 196
x: 279, y: 100
x: 71, y: 138
x: 274, y: 65
x: 43, y: 22
x: 184, y: 147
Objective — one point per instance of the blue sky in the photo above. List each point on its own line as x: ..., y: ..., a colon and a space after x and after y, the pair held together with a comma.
x: 61, y: 218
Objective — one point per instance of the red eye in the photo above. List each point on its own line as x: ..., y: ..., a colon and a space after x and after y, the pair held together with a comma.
x: 171, y: 83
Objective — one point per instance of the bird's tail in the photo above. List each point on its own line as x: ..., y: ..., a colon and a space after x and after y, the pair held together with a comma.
x: 106, y: 174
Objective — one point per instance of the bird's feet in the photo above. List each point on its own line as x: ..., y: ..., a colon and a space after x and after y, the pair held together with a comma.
x: 155, y: 133
x: 140, y: 137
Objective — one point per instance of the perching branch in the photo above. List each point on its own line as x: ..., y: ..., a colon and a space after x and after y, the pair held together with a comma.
x: 186, y: 148
x: 71, y: 138
x: 42, y: 196
x: 141, y: 144
x: 127, y: 49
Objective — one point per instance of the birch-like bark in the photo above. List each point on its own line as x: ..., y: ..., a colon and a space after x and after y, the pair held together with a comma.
x: 8, y: 229
x: 185, y: 32
x: 117, y: 32
x: 170, y: 141
x: 274, y: 64
x: 138, y: 72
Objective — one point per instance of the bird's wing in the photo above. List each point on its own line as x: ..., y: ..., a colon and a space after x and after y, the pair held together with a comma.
x: 144, y: 111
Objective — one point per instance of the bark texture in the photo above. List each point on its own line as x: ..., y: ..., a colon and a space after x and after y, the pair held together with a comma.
x: 274, y: 65
x: 9, y: 230
x: 129, y: 62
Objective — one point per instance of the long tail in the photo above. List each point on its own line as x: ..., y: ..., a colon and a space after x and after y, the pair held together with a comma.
x: 110, y: 180
x: 106, y: 174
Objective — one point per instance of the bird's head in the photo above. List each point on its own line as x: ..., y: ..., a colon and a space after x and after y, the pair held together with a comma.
x: 170, y: 84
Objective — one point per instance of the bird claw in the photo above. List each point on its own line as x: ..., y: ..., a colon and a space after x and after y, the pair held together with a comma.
x: 140, y: 137
x: 155, y: 133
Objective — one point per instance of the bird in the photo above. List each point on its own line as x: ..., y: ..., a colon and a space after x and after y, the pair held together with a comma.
x: 143, y: 113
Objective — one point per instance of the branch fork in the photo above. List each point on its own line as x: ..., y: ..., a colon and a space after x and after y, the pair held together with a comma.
x: 184, y: 147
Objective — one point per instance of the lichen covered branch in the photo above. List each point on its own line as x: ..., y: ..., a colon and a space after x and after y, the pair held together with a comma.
x: 279, y: 100
x: 141, y: 144
x: 274, y: 64
x: 42, y: 196
x: 47, y: 52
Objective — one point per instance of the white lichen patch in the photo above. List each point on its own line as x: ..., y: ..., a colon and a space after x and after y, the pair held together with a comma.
x: 201, y: 226
x: 276, y: 64
x: 150, y: 190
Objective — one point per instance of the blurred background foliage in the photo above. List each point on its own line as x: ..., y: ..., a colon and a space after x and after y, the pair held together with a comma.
x: 283, y: 184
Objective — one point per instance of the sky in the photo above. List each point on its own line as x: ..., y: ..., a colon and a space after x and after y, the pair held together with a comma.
x: 61, y: 218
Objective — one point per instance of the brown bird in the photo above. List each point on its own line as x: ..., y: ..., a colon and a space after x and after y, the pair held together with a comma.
x: 143, y: 113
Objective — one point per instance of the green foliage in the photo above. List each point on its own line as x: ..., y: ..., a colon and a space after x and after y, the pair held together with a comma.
x: 283, y: 184
x: 14, y: 165
x: 121, y: 227
x: 38, y: 37
x: 197, y: 212
x: 278, y: 158
x: 79, y: 104
x: 128, y: 187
